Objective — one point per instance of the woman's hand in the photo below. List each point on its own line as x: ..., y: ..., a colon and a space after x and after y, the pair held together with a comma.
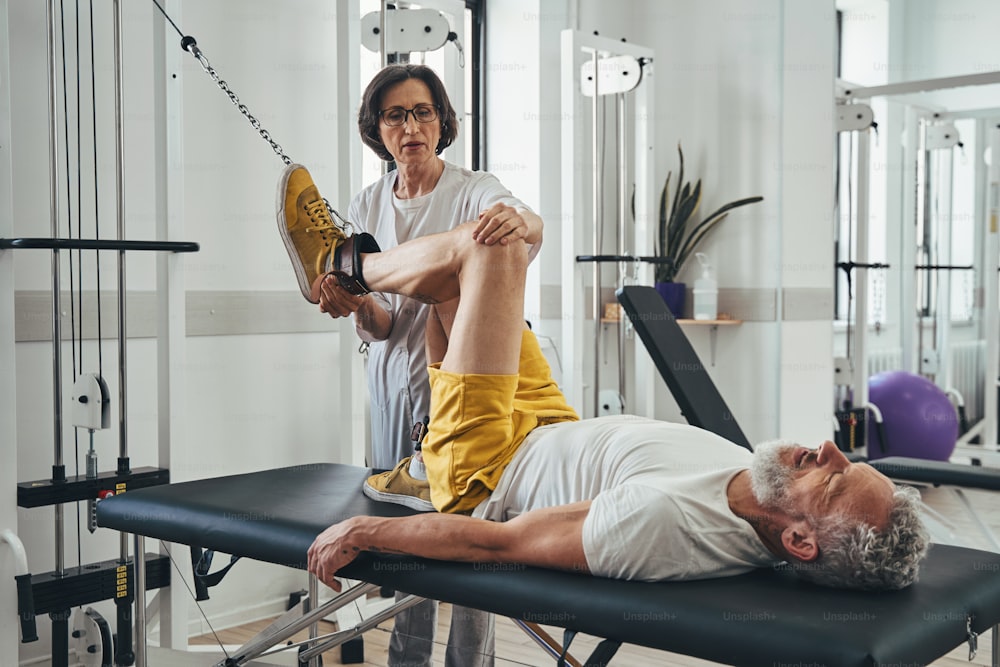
x: 336, y: 301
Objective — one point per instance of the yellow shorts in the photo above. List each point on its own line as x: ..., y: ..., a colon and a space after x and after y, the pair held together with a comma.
x: 479, y: 421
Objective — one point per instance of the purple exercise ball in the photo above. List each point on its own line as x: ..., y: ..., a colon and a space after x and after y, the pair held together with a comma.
x: 918, y: 418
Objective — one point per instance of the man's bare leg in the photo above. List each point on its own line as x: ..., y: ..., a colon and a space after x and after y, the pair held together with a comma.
x: 485, y: 336
x: 476, y: 335
x: 436, y: 334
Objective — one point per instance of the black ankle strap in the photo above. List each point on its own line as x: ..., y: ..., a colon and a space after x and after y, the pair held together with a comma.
x: 347, y: 262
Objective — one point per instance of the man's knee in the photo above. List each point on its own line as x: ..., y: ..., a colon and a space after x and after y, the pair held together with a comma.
x: 511, y: 256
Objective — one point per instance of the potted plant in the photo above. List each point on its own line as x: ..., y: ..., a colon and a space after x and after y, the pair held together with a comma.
x: 679, y: 233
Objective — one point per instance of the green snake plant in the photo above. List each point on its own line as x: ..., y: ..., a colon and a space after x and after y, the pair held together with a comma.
x: 679, y: 231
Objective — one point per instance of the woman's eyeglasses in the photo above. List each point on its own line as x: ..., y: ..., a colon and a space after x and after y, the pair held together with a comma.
x: 396, y: 116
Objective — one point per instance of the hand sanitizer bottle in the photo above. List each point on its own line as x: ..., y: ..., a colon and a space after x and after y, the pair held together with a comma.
x: 706, y: 292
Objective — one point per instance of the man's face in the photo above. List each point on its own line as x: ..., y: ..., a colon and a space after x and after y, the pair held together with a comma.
x: 820, y: 482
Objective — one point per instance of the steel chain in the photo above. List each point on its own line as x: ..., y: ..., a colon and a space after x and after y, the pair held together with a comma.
x: 346, y: 226
x: 265, y: 135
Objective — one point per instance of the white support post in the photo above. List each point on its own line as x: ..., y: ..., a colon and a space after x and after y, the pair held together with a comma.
x: 8, y: 384
x: 454, y: 72
x: 577, y: 164
x: 353, y: 403
x: 941, y: 221
x: 642, y: 397
x: 860, y: 278
x: 573, y: 293
x: 991, y: 292
x: 597, y: 127
x: 908, y: 320
x: 171, y: 298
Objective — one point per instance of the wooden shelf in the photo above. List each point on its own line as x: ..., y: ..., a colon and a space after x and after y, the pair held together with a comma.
x: 713, y: 323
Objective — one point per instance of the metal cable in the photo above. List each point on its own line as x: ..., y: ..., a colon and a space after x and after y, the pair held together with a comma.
x: 194, y: 598
x: 97, y: 212
x: 69, y: 208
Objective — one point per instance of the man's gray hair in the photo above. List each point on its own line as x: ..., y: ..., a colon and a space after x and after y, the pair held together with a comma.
x: 856, y: 555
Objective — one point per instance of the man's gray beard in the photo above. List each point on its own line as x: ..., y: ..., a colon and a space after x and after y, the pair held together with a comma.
x: 769, y: 475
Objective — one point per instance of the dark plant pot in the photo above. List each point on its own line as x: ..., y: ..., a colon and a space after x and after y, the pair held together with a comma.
x: 673, y: 295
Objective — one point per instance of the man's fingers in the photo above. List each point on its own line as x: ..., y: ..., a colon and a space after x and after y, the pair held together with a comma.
x: 318, y: 567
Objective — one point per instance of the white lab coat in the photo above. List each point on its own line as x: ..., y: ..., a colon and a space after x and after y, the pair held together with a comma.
x: 397, y: 367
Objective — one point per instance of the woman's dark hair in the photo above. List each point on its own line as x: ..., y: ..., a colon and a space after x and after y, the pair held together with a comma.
x: 371, y: 105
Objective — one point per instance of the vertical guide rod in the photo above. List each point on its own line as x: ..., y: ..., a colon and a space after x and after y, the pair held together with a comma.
x: 597, y: 202
x: 123, y: 465
x: 139, y: 585
x: 623, y: 210
x: 943, y: 160
x: 991, y: 290
x: 120, y: 212
x: 312, y: 604
x: 58, y: 472
x: 125, y: 650
x: 995, y: 645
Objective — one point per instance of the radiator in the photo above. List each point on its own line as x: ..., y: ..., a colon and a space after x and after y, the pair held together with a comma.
x: 967, y: 374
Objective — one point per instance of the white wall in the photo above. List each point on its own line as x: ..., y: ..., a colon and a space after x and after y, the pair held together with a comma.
x: 718, y: 91
x: 725, y: 88
x: 514, y: 119
x: 745, y: 86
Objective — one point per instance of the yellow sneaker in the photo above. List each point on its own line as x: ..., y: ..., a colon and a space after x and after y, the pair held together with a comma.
x: 307, y: 228
x: 400, y: 487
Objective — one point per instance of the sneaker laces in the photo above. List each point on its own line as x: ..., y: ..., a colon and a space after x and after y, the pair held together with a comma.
x: 322, y: 214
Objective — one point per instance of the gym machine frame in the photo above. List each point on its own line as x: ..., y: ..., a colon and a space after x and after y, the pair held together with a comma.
x: 58, y: 591
x: 578, y: 49
x: 857, y: 97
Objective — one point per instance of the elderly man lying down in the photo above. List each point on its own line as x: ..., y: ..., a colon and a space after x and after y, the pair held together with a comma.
x: 517, y: 477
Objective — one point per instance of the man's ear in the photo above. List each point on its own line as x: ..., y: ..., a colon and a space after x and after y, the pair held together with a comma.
x: 799, y: 540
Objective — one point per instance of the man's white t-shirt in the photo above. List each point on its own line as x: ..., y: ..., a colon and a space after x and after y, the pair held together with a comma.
x: 659, y: 507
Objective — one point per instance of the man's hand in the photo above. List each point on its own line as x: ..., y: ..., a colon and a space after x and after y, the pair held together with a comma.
x: 501, y: 224
x: 333, y: 549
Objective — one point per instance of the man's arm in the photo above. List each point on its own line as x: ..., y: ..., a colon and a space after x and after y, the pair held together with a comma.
x: 551, y: 537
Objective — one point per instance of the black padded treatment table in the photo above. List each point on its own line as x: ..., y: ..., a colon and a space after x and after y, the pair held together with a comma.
x: 768, y: 617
